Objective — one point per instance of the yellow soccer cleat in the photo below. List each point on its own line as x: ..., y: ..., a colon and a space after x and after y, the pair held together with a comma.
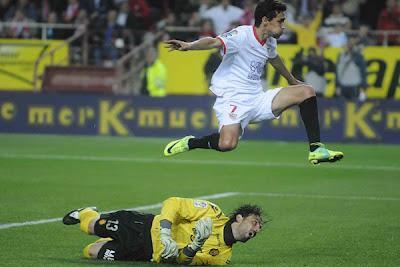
x: 321, y: 154
x: 177, y: 146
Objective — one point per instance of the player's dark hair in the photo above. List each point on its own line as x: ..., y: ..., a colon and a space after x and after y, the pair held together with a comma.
x: 246, y: 210
x: 268, y: 9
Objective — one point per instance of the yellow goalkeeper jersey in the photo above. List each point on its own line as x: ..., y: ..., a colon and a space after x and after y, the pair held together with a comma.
x: 184, y: 213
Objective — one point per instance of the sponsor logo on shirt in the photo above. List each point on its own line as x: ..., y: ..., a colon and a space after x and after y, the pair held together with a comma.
x: 256, y: 68
x: 200, y: 204
x: 229, y: 34
x: 109, y: 255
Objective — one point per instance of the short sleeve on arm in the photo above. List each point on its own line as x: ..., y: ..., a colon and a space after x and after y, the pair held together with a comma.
x: 271, y: 48
x: 231, y: 41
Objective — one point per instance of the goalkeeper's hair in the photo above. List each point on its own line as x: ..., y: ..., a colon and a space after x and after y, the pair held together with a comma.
x: 246, y: 210
x: 268, y: 9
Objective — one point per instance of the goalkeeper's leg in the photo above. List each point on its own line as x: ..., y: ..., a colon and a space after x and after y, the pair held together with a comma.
x: 107, y: 249
x: 91, y: 251
x: 86, y: 217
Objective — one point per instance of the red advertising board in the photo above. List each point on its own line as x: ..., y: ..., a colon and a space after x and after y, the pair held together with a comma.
x: 79, y: 79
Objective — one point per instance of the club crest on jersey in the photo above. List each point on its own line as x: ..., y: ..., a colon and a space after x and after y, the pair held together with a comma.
x: 214, y: 252
x: 233, y: 116
x: 230, y: 34
x: 200, y: 204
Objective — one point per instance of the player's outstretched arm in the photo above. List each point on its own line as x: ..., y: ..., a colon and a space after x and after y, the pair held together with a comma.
x: 201, y: 44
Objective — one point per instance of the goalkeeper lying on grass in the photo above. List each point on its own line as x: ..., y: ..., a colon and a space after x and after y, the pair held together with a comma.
x: 188, y: 231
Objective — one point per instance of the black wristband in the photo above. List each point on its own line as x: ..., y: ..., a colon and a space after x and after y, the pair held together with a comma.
x: 189, y: 252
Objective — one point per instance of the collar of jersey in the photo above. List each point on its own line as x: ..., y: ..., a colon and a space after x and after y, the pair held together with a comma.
x: 256, y: 36
x: 228, y: 234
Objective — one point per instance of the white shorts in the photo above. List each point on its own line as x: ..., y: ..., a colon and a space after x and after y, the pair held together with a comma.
x: 245, y: 109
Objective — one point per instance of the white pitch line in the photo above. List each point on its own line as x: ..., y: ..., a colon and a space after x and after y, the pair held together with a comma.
x: 219, y: 196
x: 322, y: 196
x: 197, y: 161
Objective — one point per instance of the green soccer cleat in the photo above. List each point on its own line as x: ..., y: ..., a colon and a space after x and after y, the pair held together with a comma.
x: 72, y: 217
x: 177, y: 146
x: 321, y: 154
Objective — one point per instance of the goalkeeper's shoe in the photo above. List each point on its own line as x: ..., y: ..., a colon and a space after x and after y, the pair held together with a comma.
x: 72, y: 217
x: 321, y: 154
x: 177, y: 146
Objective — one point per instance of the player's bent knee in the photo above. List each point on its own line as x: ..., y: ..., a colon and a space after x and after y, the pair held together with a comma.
x: 227, y: 145
x: 308, y: 91
x: 88, y: 253
x: 91, y: 251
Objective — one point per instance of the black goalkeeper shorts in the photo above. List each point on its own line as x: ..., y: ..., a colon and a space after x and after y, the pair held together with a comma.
x: 131, y: 234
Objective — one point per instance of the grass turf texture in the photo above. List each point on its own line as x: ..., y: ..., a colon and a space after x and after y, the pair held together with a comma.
x: 342, y: 214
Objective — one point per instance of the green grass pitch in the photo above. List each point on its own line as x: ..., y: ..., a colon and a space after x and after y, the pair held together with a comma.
x: 342, y: 214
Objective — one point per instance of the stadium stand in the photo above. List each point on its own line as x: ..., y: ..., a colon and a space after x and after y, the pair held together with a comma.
x: 102, y: 33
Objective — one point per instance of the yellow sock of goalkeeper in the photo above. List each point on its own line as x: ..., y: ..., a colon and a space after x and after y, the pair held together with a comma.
x: 86, y: 251
x: 86, y: 216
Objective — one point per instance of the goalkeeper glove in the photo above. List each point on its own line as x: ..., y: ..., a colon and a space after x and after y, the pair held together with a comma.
x: 170, y: 246
x: 202, y: 231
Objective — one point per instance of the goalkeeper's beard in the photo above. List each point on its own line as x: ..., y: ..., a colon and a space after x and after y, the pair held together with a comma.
x: 245, y: 240
x: 248, y: 237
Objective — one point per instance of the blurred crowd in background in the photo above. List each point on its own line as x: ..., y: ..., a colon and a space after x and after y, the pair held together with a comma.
x: 330, y: 20
x: 117, y: 26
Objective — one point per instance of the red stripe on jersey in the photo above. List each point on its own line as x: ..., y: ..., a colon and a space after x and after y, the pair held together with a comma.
x: 258, y: 39
x: 223, y: 43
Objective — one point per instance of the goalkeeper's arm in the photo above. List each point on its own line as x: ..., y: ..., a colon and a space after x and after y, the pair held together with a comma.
x: 202, y: 231
x: 185, y: 255
x: 170, y: 247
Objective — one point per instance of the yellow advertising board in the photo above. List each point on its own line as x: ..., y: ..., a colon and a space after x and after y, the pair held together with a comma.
x: 185, y: 71
x: 186, y: 75
x: 17, y: 61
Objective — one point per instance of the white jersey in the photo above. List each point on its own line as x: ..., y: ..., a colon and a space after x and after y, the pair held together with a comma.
x: 244, y: 59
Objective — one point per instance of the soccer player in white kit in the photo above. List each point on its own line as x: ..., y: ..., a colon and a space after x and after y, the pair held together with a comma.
x: 236, y: 83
